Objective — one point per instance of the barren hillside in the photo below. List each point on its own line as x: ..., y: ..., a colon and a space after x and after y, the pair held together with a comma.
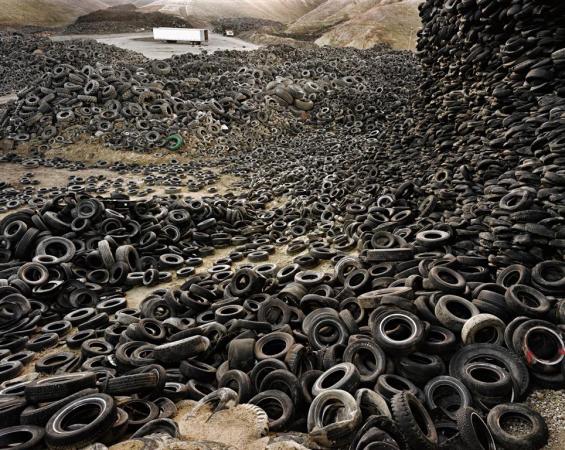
x: 46, y: 12
x: 285, y: 11
x: 362, y: 23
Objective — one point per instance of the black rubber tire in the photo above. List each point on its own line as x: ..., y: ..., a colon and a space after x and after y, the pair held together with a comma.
x: 147, y: 330
x: 58, y: 386
x: 448, y: 318
x: 264, y: 344
x: 368, y: 357
x: 340, y: 335
x: 139, y: 412
x: 333, y: 434
x: 371, y: 404
x: 439, y: 341
x: 75, y: 341
x: 297, y: 359
x: 246, y: 282
x: 42, y: 341
x: 486, y: 379
x: 10, y: 410
x: 514, y: 274
x: 40, y: 415
x: 57, y: 362
x: 93, y: 426
x: 264, y: 367
x: 284, y: 404
x: 483, y: 328
x: 478, y: 352
x: 241, y: 354
x: 531, y: 338
x: 535, y: 438
x: 379, y: 432
x: 22, y: 437
x: 419, y: 367
x: 388, y: 385
x: 285, y: 381
x: 307, y: 380
x: 410, y: 416
x: 158, y: 426
x: 403, y: 319
x: 239, y: 382
x: 460, y: 390
x: 10, y: 369
x: 176, y: 351
x: 131, y: 384
x: 474, y: 434
x: 197, y: 370
x: 96, y: 347
x: 348, y: 379
x: 447, y: 280
x: 523, y: 300
x: 167, y: 407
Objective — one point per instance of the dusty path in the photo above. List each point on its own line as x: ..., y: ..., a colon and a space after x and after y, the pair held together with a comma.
x: 7, y: 98
x: 143, y: 43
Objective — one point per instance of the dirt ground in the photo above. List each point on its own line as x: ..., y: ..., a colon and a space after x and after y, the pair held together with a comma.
x: 143, y: 43
x: 230, y: 427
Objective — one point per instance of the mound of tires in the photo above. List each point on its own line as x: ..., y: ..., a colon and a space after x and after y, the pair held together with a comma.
x: 214, y: 102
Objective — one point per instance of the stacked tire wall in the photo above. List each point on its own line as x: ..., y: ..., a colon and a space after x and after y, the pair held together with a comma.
x: 491, y: 113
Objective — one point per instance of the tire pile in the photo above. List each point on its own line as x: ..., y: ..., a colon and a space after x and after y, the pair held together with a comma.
x: 221, y: 101
x: 27, y: 57
x: 243, y: 24
x: 491, y: 112
x: 123, y: 19
x: 442, y: 221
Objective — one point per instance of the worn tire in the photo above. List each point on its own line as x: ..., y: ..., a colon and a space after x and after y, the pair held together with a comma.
x: 92, y: 426
x: 410, y: 415
x: 58, y: 386
x: 534, y: 439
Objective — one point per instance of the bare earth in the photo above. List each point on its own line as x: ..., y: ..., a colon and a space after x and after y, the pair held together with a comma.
x: 143, y: 43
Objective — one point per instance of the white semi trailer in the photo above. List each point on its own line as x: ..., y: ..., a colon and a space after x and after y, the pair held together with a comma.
x: 192, y: 35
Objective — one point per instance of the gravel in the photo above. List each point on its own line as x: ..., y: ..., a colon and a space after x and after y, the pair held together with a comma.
x: 551, y: 405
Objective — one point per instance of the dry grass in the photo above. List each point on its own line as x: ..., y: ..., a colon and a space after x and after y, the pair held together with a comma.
x: 45, y: 13
x: 34, y: 12
x: 90, y: 153
x: 395, y: 24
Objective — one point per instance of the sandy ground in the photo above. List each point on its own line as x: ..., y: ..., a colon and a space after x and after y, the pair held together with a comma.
x: 7, y: 98
x: 550, y: 404
x: 144, y: 44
